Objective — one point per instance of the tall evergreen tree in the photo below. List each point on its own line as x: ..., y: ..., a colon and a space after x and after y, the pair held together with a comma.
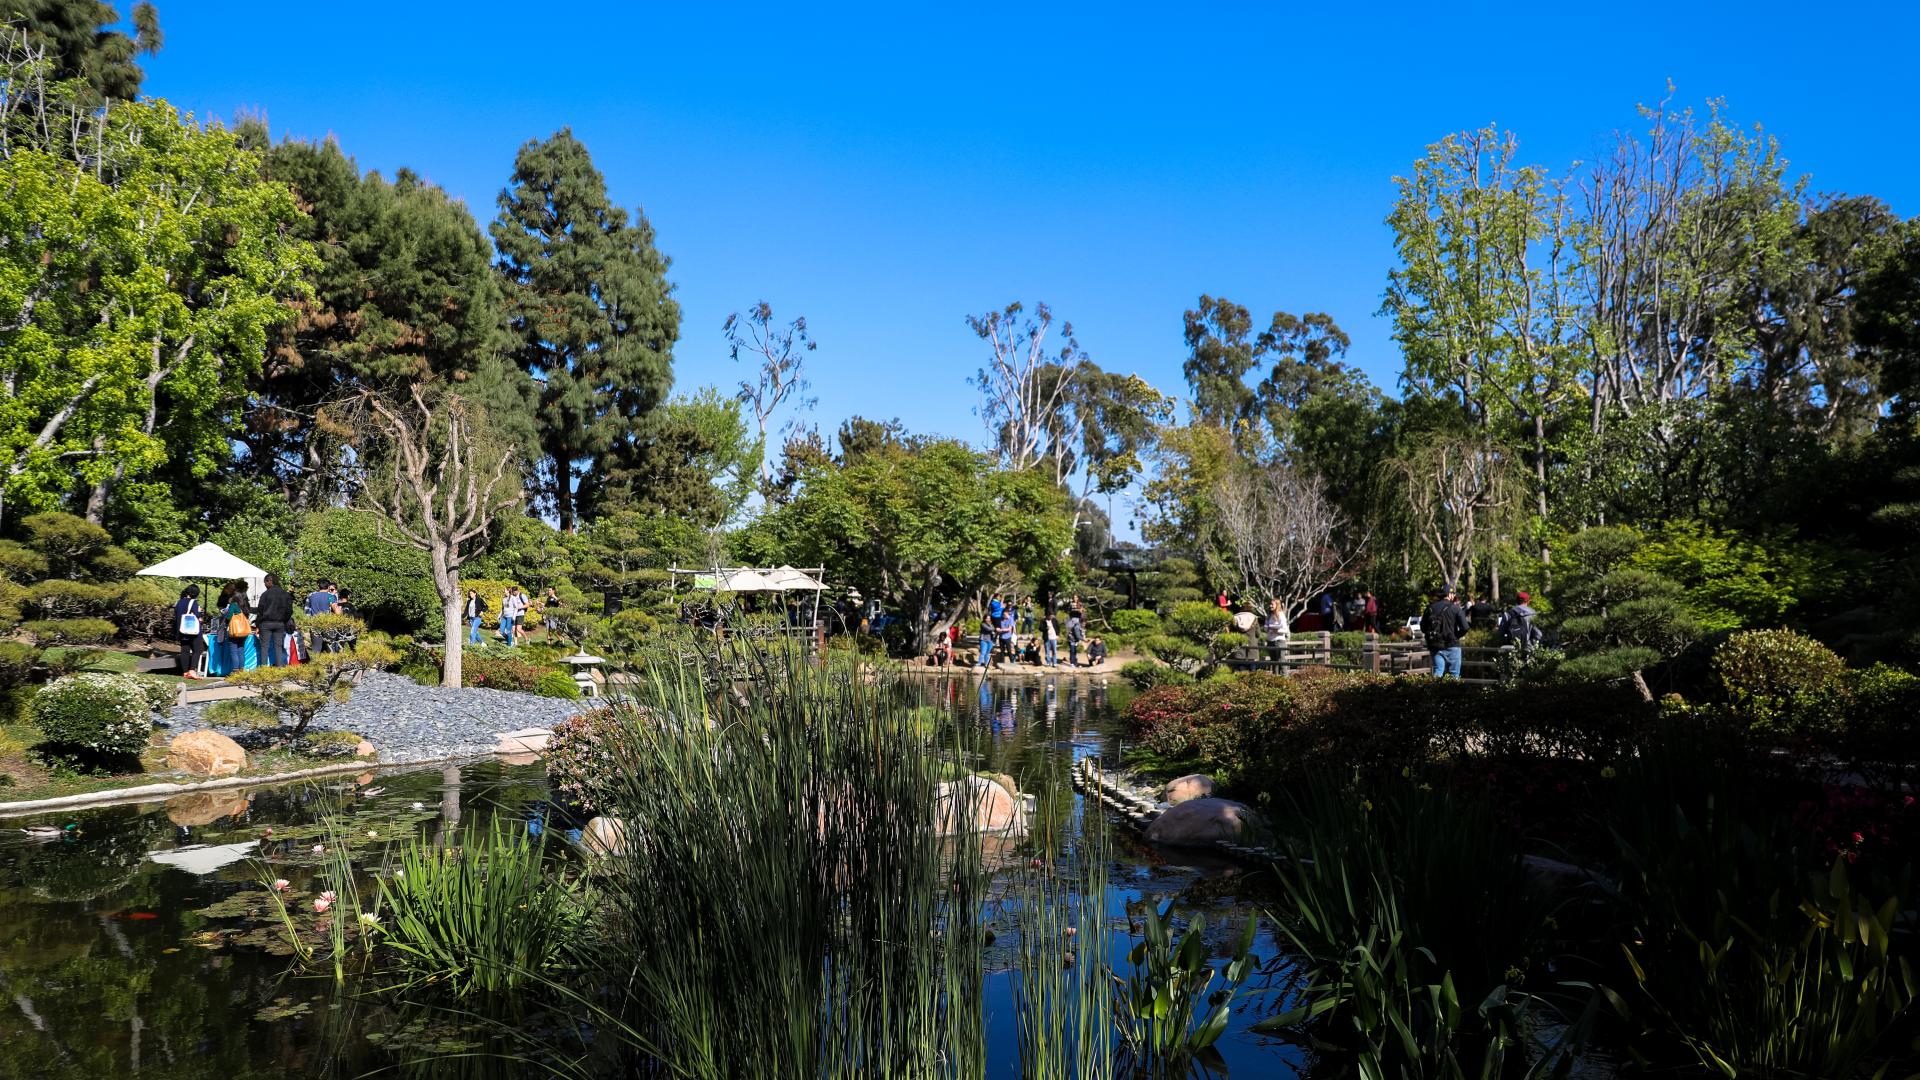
x: 591, y: 315
x: 81, y: 45
x: 405, y: 293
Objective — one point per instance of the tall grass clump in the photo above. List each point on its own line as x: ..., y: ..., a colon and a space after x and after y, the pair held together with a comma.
x: 487, y: 916
x: 1414, y: 925
x: 1741, y: 958
x: 785, y: 906
x: 1061, y: 982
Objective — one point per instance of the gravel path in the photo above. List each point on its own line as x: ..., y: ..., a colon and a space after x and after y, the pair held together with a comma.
x: 410, y: 722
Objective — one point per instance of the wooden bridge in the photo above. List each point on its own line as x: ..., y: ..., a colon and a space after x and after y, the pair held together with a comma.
x: 1479, y: 663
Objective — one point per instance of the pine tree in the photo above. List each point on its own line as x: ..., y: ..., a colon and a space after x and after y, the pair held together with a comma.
x: 82, y: 46
x: 591, y: 315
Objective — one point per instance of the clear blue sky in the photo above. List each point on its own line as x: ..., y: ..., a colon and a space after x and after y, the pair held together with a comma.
x: 887, y: 170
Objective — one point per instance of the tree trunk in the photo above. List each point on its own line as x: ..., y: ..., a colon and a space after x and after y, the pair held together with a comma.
x: 1540, y: 493
x: 447, y: 580
x: 1640, y: 684
x: 563, y: 495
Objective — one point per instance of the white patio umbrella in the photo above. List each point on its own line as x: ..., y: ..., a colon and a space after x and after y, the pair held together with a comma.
x: 209, y: 560
x: 787, y: 578
x: 741, y: 579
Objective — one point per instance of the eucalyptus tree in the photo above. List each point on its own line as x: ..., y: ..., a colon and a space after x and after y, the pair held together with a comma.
x: 779, y: 376
x: 1482, y: 302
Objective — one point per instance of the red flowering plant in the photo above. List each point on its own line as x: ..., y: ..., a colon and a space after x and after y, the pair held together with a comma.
x: 1861, y: 825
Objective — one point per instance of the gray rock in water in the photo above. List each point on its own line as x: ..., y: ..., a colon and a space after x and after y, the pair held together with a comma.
x: 1205, y: 823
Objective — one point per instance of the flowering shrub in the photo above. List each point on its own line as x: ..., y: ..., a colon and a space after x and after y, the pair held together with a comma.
x: 1778, y: 682
x: 498, y: 672
x: 1259, y: 732
x: 1855, y: 824
x: 94, y: 711
x: 581, y: 752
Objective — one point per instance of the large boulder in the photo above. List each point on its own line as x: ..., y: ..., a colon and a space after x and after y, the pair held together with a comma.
x: 1187, y: 788
x: 1206, y: 822
x: 605, y: 836
x: 974, y: 804
x: 205, y: 753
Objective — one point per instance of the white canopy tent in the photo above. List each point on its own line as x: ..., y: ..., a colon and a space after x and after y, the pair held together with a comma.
x: 740, y: 579
x: 209, y: 560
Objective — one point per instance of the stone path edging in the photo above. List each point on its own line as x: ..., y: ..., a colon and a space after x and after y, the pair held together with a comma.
x: 155, y: 792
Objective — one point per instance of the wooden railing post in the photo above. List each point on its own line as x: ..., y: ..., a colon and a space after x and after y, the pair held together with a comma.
x: 1370, y: 653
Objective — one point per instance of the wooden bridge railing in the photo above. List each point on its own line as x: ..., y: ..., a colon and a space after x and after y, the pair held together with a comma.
x: 1479, y: 663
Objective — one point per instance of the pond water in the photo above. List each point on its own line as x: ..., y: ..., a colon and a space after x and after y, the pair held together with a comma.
x: 126, y: 947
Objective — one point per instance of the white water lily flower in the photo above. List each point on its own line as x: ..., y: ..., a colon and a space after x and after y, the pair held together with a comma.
x: 369, y: 918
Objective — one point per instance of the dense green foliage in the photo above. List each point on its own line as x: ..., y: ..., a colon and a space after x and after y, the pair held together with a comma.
x: 94, y: 712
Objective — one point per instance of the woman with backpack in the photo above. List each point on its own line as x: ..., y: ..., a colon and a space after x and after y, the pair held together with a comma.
x: 236, y: 627
x: 193, y: 636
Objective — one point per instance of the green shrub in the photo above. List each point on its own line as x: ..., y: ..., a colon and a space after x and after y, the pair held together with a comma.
x: 391, y: 582
x: 20, y: 562
x: 241, y: 713
x: 162, y: 691
x: 1880, y: 733
x: 330, y: 743
x: 143, y: 609
x: 498, y: 672
x: 1778, y: 682
x: 97, y: 712
x: 61, y: 599
x: 557, y: 684
x: 626, y: 631
x: 13, y: 599
x: 1145, y: 675
x: 76, y: 548
x: 1131, y: 625
x: 16, y: 663
x: 71, y: 631
x: 330, y: 631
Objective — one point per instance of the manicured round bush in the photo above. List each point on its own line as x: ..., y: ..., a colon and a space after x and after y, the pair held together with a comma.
x: 71, y: 631
x: 1778, y: 682
x: 161, y: 692
x: 330, y: 743
x: 1145, y: 675
x: 557, y: 684
x: 102, y: 713
x: 58, y: 598
x: 16, y: 663
x: 241, y: 713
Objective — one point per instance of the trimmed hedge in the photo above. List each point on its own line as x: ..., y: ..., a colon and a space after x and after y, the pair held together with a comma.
x: 71, y: 631
x: 557, y: 684
x: 498, y: 672
x: 98, y: 712
x: 1778, y: 682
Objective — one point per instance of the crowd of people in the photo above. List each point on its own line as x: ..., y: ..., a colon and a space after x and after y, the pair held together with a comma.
x: 240, y: 631
x: 514, y: 605
x: 1447, y: 620
x: 1014, y: 630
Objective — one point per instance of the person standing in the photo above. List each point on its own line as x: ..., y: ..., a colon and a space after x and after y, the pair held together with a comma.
x: 236, y: 624
x: 551, y: 604
x: 1006, y: 634
x: 476, y: 611
x: 1076, y: 633
x: 994, y: 608
x: 321, y: 600
x: 986, y: 641
x: 187, y: 624
x: 1516, y: 624
x: 1050, y: 633
x: 1026, y: 617
x: 508, y: 613
x: 1442, y: 625
x: 1325, y: 610
x: 1370, y: 614
x: 275, y: 620
x: 1277, y: 630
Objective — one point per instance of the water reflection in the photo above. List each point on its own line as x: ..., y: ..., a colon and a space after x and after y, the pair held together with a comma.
x: 113, y: 964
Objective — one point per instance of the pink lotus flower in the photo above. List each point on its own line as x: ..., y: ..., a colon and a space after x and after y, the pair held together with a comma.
x: 319, y: 849
x: 329, y: 896
x: 321, y: 905
x: 281, y: 884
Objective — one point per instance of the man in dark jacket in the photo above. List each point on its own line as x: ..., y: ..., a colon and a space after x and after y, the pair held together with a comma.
x: 274, y: 618
x: 1442, y: 625
x: 1516, y: 624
